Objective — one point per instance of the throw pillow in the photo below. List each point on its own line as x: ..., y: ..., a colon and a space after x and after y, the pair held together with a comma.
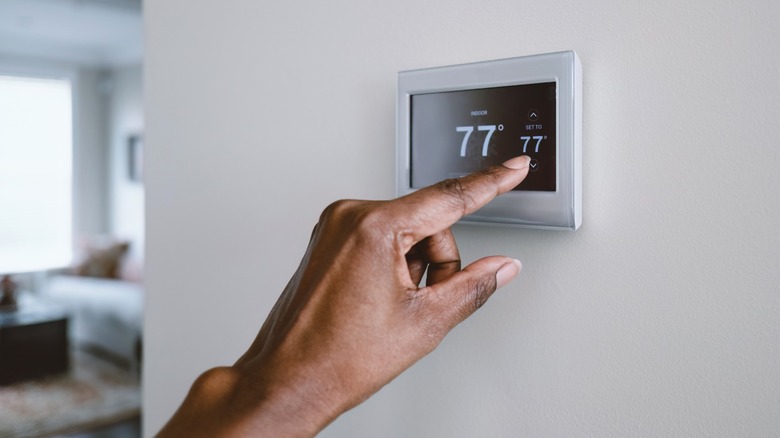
x: 103, y: 262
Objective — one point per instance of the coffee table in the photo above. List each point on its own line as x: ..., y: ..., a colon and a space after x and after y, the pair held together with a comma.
x: 33, y: 341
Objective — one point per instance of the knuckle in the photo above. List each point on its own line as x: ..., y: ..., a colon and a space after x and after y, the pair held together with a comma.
x: 492, y: 171
x: 453, y: 188
x: 362, y: 217
x: 444, y: 243
x: 370, y: 220
x: 404, y: 238
x: 445, y: 266
x: 481, y: 289
x: 336, y: 209
x: 492, y: 174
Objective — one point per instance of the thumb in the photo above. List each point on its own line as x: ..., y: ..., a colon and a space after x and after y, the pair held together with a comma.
x: 459, y: 296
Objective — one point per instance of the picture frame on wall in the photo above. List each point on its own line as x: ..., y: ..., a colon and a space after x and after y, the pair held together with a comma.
x: 135, y: 157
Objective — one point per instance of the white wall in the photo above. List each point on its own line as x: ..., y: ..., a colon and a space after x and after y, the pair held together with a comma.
x: 126, y: 119
x: 659, y: 317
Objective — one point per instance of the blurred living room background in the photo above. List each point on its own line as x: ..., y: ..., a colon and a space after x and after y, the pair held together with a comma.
x: 72, y: 217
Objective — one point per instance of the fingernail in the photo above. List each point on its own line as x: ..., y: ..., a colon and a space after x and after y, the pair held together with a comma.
x: 518, y: 163
x: 507, y: 272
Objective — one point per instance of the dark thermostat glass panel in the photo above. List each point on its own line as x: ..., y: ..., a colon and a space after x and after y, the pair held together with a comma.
x: 455, y: 133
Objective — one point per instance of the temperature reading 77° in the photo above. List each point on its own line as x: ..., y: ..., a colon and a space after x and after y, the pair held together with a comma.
x: 526, y: 139
x: 490, y: 129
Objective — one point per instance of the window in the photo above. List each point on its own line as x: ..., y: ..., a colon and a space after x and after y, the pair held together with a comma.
x: 36, y: 149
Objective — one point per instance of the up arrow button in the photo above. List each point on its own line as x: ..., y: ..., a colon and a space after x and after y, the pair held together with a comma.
x: 533, y: 115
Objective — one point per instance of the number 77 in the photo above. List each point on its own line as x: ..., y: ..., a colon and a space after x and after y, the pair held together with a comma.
x: 538, y: 139
x: 468, y: 130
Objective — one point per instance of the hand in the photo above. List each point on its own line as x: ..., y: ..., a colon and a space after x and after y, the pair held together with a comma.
x: 353, y: 316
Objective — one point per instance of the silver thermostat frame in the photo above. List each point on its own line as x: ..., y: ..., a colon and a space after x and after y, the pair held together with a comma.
x: 558, y: 210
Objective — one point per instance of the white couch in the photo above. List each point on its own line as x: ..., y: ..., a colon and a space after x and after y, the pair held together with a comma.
x: 106, y: 315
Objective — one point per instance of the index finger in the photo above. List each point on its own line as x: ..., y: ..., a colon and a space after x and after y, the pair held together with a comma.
x: 435, y: 208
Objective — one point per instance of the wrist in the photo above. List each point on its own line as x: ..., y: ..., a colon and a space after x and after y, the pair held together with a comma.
x: 227, y: 402
x: 206, y: 409
x: 285, y: 404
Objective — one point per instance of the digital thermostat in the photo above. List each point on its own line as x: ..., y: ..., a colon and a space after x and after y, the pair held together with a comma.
x: 458, y: 119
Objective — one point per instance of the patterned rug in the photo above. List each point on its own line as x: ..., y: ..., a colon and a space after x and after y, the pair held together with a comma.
x: 94, y: 393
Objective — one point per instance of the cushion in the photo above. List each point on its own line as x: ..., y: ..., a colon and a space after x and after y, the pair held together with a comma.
x: 103, y: 261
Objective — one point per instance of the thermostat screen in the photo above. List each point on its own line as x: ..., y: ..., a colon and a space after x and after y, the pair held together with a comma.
x: 455, y: 133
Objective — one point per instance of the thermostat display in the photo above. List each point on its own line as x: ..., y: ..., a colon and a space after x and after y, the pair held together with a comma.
x: 458, y: 119
x: 459, y: 132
